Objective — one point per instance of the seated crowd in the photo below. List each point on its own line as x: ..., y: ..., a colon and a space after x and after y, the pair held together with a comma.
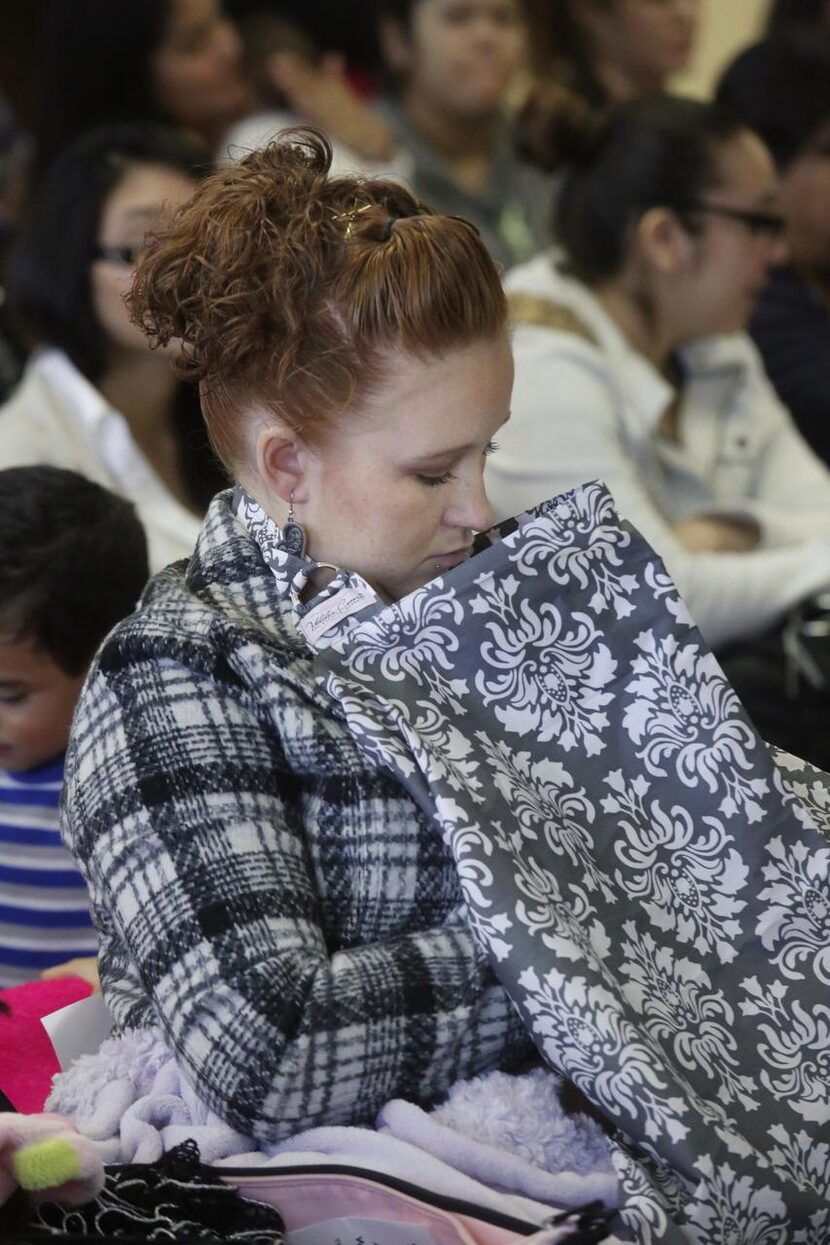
x: 252, y: 360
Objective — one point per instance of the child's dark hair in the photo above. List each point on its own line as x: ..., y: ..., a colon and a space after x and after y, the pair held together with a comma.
x: 73, y: 562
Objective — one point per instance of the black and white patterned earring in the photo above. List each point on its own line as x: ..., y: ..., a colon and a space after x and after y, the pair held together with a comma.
x: 293, y: 534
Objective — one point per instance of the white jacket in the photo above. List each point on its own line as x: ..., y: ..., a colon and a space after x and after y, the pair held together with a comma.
x: 586, y: 409
x: 55, y: 416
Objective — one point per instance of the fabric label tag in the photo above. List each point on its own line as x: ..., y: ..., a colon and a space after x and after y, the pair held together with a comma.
x: 329, y: 613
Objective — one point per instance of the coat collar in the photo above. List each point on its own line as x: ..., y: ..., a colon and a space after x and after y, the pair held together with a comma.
x: 257, y: 573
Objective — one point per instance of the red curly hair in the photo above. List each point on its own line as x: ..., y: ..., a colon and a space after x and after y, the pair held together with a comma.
x: 288, y: 288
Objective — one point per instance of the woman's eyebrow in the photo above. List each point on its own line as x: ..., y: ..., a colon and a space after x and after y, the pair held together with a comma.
x: 454, y: 451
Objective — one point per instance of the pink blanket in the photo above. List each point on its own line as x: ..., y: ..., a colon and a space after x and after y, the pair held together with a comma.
x: 27, y: 1060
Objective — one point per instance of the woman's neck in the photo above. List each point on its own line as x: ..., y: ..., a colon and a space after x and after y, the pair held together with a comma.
x: 467, y: 145
x: 620, y: 86
x: 142, y: 387
x: 638, y: 318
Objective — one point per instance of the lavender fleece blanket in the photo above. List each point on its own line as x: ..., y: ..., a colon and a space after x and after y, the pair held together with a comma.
x: 501, y: 1142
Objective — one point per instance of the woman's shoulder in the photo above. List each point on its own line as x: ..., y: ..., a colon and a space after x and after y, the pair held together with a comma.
x: 543, y: 297
x: 38, y: 422
x: 27, y: 416
x: 218, y: 611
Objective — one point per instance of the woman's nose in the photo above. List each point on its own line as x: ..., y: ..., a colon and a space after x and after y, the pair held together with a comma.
x: 471, y: 511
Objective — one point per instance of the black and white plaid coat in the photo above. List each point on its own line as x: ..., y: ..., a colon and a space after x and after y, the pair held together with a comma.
x: 286, y: 914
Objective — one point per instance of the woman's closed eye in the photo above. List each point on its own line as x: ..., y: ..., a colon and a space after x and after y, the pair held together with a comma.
x: 445, y: 476
x: 432, y: 481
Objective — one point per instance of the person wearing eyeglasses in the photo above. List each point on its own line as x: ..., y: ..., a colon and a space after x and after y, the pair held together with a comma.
x: 632, y: 365
x: 94, y: 398
x: 781, y: 87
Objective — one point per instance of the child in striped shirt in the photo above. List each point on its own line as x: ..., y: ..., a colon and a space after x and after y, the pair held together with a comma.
x: 73, y: 562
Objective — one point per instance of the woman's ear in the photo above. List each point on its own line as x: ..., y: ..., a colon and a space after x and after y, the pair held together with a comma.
x: 280, y: 462
x: 663, y: 241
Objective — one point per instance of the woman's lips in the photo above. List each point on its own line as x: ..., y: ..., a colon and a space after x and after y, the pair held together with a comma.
x: 452, y: 558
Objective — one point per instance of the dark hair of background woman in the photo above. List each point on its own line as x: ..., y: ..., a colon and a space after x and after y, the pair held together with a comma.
x: 780, y: 88
x: 659, y: 152
x: 94, y: 67
x: 787, y: 13
x: 558, y: 47
x: 50, y: 286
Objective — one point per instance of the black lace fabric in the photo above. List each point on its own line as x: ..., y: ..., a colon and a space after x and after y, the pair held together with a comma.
x: 176, y: 1199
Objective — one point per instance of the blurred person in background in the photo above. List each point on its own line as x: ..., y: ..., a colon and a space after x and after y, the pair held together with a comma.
x: 94, y: 397
x: 176, y: 61
x: 296, y: 82
x: 589, y: 55
x: 781, y: 87
x: 184, y: 63
x: 609, y: 51
x: 632, y: 366
x: 453, y: 63
x: 73, y: 563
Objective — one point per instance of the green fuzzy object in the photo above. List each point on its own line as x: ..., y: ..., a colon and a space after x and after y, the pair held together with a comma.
x: 46, y: 1164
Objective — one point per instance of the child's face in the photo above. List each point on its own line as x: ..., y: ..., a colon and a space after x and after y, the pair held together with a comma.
x: 37, y: 700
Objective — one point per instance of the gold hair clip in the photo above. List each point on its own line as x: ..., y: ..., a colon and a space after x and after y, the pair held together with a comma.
x: 351, y: 216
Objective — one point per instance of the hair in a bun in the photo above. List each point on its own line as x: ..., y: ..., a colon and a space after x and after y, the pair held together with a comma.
x: 287, y: 287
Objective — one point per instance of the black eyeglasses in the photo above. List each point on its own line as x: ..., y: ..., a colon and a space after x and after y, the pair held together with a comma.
x: 769, y: 224
x: 119, y: 254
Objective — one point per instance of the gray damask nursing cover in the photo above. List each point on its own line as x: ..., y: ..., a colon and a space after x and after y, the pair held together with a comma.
x: 651, y: 884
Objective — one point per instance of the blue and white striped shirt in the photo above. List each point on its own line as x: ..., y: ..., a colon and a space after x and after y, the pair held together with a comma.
x: 44, y: 906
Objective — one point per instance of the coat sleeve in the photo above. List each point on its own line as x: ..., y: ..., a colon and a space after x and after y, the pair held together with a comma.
x: 189, y: 827
x: 564, y: 430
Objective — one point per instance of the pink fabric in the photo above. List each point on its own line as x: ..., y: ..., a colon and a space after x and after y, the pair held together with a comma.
x: 27, y: 1060
x: 312, y: 1198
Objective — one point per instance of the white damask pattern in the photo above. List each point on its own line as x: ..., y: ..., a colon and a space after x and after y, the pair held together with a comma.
x: 545, y: 674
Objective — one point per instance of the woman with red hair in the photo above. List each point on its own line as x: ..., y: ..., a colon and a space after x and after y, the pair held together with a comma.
x: 283, y: 910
